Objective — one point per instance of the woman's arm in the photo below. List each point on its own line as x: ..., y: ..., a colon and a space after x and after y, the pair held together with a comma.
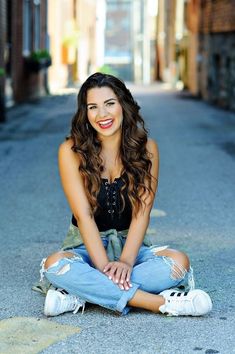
x: 74, y: 190
x: 139, y: 224
x: 137, y: 229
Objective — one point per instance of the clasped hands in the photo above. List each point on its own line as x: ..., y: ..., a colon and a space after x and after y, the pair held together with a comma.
x: 120, y: 273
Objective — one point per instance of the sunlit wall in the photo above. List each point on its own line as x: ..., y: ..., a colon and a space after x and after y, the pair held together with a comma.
x: 115, y: 36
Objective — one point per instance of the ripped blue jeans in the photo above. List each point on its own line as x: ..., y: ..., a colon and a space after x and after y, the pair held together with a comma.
x: 151, y: 273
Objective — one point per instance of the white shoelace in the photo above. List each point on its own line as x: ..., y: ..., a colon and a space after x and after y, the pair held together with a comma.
x: 73, y: 303
x: 80, y: 304
x: 191, y: 280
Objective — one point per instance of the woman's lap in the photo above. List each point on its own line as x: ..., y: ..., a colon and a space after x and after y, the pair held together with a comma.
x: 77, y: 275
x: 153, y: 273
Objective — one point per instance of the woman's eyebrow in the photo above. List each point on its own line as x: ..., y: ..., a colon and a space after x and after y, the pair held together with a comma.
x: 109, y: 99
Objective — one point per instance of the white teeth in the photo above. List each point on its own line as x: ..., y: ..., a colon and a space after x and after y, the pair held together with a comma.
x: 105, y: 122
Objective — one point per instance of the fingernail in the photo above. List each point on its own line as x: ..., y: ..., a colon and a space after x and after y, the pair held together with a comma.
x: 131, y: 285
x: 116, y: 281
x: 110, y: 278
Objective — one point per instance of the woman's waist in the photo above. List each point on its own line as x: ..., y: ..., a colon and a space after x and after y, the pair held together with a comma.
x: 108, y: 223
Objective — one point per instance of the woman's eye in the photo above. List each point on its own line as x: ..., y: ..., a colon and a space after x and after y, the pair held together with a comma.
x: 91, y: 107
x: 110, y: 103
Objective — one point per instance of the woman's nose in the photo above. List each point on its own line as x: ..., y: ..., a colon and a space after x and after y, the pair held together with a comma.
x: 102, y: 112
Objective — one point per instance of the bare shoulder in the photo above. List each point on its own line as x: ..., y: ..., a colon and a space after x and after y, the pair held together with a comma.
x: 66, y: 146
x: 152, y: 147
x: 65, y: 152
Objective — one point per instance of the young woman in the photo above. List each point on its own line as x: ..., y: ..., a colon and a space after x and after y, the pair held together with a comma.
x: 109, y: 173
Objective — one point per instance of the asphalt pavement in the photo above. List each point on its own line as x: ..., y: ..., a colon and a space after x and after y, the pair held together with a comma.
x: 194, y: 211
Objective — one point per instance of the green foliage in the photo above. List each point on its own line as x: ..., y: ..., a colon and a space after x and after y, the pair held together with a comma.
x: 106, y: 69
x: 40, y: 54
x: 2, y: 72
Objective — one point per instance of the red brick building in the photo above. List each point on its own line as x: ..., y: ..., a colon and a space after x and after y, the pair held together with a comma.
x: 196, y: 47
x: 217, y: 50
x: 23, y: 49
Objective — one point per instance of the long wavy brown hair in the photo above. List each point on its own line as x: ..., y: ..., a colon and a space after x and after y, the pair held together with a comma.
x: 133, y: 153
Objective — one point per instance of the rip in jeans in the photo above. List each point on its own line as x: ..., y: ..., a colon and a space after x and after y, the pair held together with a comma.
x: 64, y: 269
x: 178, y: 272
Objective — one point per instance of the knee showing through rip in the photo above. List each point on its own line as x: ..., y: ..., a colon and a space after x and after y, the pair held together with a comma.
x: 183, y: 260
x: 180, y: 258
x: 55, y: 257
x: 180, y: 264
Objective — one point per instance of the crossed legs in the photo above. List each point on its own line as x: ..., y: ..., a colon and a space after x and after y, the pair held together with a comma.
x: 142, y: 299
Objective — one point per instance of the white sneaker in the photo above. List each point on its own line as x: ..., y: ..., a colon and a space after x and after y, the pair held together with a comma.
x: 58, y: 302
x: 193, y: 303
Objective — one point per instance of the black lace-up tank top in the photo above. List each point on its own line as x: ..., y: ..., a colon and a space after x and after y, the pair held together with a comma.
x: 109, y: 214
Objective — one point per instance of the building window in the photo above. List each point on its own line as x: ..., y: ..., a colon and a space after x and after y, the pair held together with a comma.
x: 26, y: 27
x: 37, y: 25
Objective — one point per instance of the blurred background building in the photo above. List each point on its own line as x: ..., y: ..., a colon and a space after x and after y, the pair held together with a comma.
x: 115, y: 36
x: 49, y: 45
x: 196, y: 47
x: 24, y: 51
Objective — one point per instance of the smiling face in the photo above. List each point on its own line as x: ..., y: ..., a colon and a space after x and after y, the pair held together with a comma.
x: 104, y: 111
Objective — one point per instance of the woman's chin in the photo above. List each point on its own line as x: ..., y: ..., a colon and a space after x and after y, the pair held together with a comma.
x: 109, y: 132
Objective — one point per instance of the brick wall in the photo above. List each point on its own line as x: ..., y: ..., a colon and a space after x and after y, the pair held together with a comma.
x: 217, y: 76
x: 217, y: 51
x: 26, y: 84
x: 209, y: 48
x: 217, y: 16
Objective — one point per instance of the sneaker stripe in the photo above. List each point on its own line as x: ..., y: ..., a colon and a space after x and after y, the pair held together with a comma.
x: 62, y: 291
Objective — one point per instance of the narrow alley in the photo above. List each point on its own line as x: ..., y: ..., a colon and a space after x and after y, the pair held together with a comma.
x: 194, y: 212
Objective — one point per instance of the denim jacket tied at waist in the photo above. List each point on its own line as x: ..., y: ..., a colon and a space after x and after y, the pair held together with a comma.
x: 73, y: 239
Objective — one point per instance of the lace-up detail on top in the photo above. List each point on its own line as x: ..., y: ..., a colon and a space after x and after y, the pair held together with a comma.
x: 110, y: 214
x: 112, y: 197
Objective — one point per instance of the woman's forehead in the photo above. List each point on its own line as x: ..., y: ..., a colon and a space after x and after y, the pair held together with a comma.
x: 100, y: 94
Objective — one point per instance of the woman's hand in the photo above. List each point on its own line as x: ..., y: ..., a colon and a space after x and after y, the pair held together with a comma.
x: 119, y: 273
